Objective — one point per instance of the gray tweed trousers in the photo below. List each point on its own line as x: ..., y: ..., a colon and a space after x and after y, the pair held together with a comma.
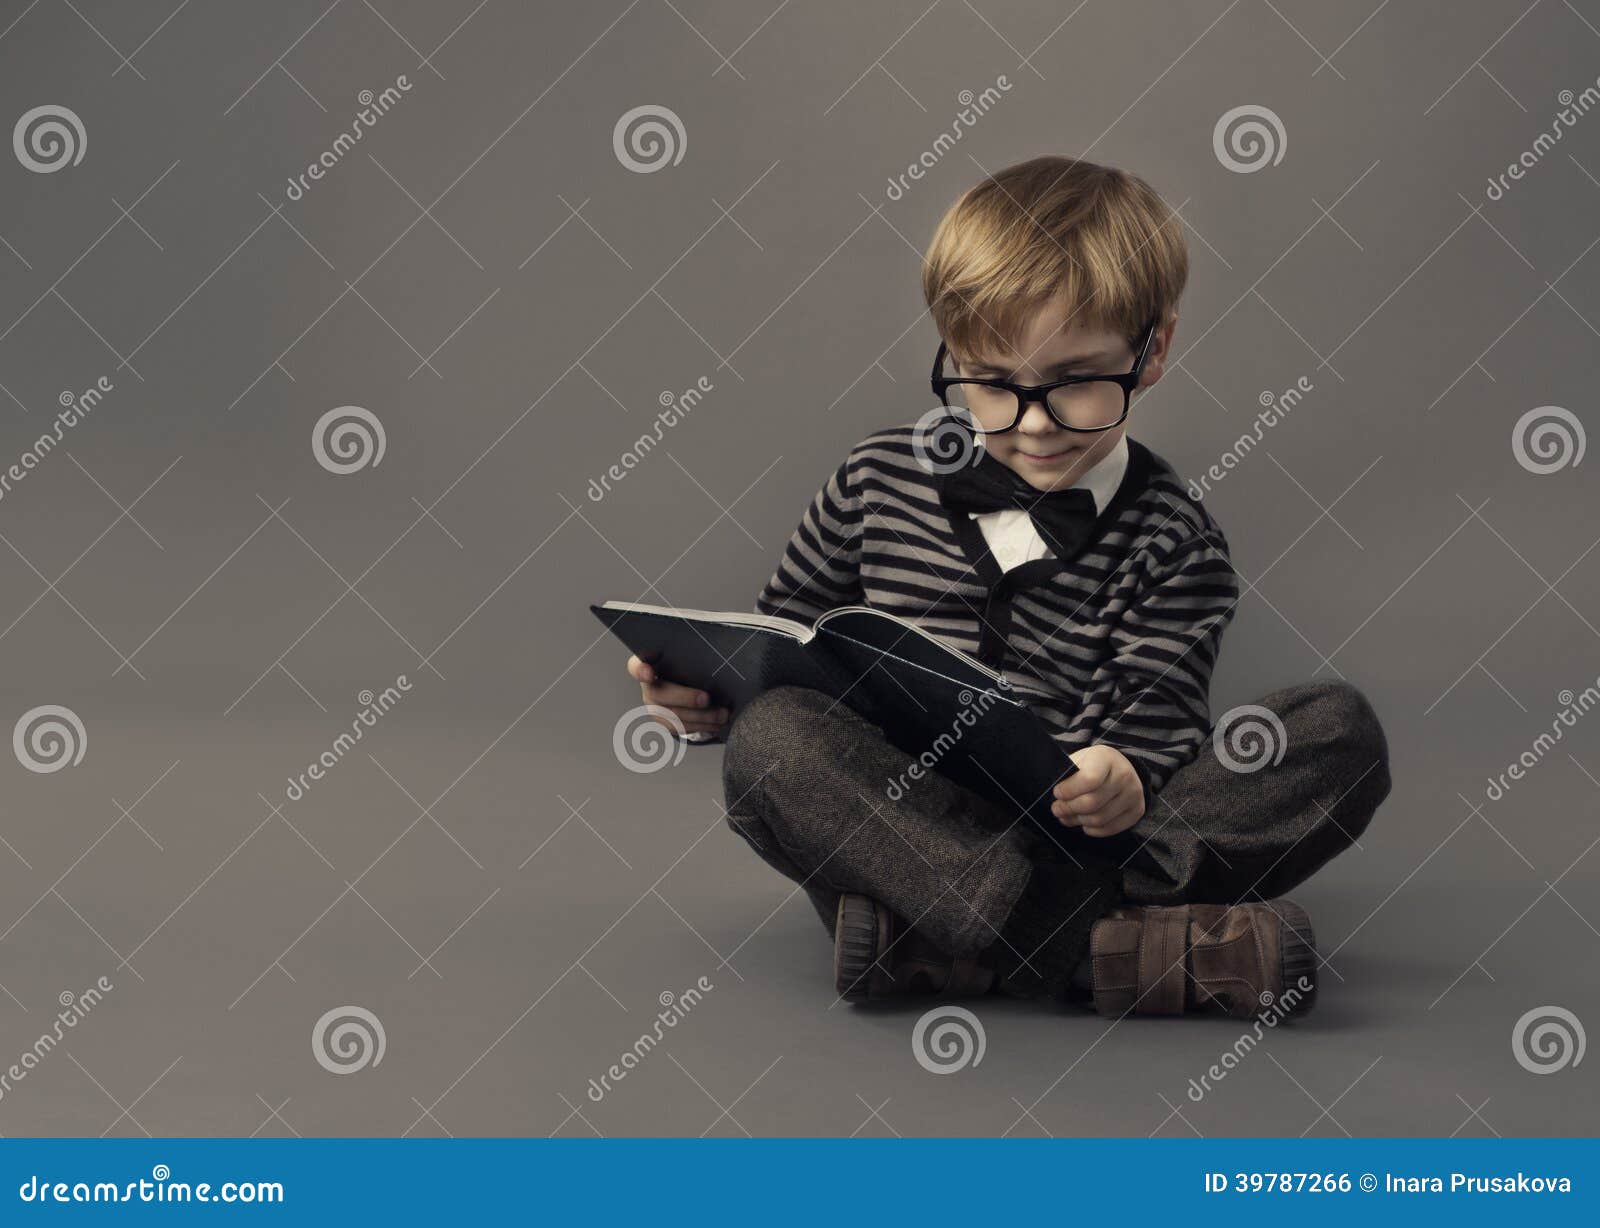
x: 806, y: 785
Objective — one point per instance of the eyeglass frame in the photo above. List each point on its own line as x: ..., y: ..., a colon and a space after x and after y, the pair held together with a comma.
x: 1028, y: 393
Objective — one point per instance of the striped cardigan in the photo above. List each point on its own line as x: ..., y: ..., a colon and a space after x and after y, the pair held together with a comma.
x: 1114, y: 646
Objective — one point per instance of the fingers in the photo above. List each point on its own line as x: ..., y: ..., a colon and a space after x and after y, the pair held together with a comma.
x: 1106, y: 822
x: 1118, y: 820
x: 1088, y: 779
x: 666, y: 694
x: 671, y: 695
x: 1097, y: 809
x: 690, y: 708
x: 1092, y: 802
x: 684, y: 706
x: 692, y: 720
x: 1095, y: 765
x: 1064, y: 815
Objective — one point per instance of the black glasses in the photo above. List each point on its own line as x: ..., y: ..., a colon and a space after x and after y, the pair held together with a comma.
x: 1081, y: 403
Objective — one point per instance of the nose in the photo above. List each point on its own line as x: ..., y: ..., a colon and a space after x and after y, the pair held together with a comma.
x: 1036, y: 417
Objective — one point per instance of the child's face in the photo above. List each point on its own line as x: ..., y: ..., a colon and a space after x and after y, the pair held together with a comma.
x: 1047, y: 456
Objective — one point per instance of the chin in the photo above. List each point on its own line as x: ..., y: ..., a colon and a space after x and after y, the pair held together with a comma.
x: 1045, y: 483
x: 1049, y: 474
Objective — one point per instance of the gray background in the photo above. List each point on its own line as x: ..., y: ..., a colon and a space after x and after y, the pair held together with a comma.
x: 484, y: 275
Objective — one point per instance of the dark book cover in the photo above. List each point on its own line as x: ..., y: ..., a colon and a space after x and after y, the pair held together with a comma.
x: 950, y: 712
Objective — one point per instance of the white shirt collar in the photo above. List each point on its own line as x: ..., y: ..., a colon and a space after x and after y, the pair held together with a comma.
x: 1103, y: 477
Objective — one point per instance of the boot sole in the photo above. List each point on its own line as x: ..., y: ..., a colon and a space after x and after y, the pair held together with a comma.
x: 1297, y: 957
x: 855, y: 947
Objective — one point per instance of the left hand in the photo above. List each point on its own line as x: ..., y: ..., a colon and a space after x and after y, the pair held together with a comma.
x: 1103, y: 797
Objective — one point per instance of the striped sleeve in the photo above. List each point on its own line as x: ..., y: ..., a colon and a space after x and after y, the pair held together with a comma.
x: 1150, y: 698
x: 821, y: 566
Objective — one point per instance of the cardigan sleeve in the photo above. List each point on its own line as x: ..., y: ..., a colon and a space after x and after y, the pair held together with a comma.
x: 820, y: 568
x: 1150, y: 698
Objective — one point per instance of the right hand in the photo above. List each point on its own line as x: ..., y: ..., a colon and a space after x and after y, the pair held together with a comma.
x: 691, y: 707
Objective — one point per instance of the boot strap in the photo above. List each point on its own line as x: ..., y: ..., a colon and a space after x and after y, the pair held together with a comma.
x: 1163, y: 954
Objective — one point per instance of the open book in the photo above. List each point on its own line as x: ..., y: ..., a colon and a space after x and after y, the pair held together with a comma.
x: 953, y: 713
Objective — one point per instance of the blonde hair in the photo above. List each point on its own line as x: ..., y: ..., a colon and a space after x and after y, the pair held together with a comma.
x: 1051, y: 227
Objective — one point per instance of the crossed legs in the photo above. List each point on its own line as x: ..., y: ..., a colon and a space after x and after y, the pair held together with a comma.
x: 805, y: 783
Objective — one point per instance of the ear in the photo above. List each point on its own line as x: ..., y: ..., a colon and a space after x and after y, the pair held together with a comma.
x: 1155, y: 363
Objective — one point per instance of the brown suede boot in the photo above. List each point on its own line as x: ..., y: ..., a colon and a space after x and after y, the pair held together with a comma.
x: 1242, y: 960
x: 876, y: 955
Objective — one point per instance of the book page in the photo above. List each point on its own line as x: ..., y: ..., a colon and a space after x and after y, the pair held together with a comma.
x: 848, y: 615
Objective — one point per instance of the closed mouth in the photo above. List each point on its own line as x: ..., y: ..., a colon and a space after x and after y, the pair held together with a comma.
x: 1043, y: 456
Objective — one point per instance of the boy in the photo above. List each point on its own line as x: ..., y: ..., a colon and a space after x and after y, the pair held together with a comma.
x: 1054, y: 548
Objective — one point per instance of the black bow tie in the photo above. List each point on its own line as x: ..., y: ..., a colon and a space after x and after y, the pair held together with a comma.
x: 1064, y: 518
